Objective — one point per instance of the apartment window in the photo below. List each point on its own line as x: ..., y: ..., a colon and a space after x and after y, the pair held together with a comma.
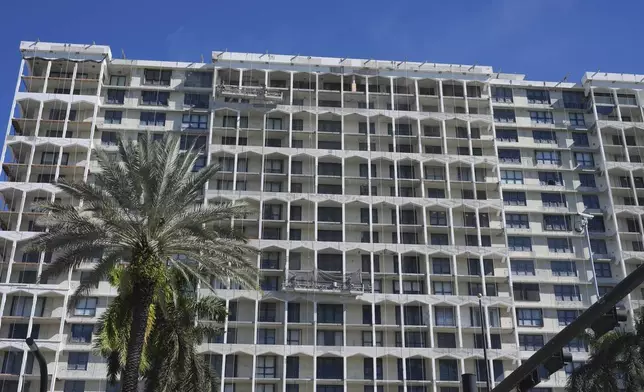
x: 447, y: 370
x: 587, y: 180
x: 502, y: 94
x: 439, y: 239
x: 274, y: 166
x: 559, y: 245
x: 442, y: 288
x: 198, y: 101
x: 590, y: 201
x: 51, y: 158
x: 580, y: 139
x: 368, y: 368
x: 514, y: 198
x: 266, y: 336
x: 441, y: 266
x: 504, y: 115
x: 113, y: 117
x: 295, y: 234
x: 563, y: 268
x: 598, y: 246
x: 157, y: 77
x: 268, y: 311
x: 538, y: 96
x: 198, y: 79
x: 550, y: 178
x: 526, y: 291
x: 434, y: 193
x: 544, y: 137
x: 272, y: 186
x: 155, y: 98
x: 19, y: 331
x: 292, y: 367
x: 152, y: 118
x: 77, y: 361
x: 574, y: 99
x: 530, y: 342
x: 118, y: 80
x: 577, y: 120
x: 28, y: 277
x: 584, y: 159
x: 603, y: 270
x: 522, y: 267
x: 511, y: 177
x: 274, y: 123
x: 596, y: 225
x: 438, y: 218
x: 445, y: 340
x: 330, y: 368
x: 519, y: 244
x: 553, y: 199
x: 194, y: 121
x: 74, y: 386
x: 507, y: 135
x: 330, y: 313
x: 556, y: 223
x: 366, y: 314
x: 81, y: 333
x: 412, y: 339
x: 566, y: 317
x: 115, y: 97
x: 293, y: 337
x: 541, y: 117
x: 567, y: 292
x: 367, y: 338
x: 548, y: 157
x: 444, y: 316
x: 509, y: 156
x: 86, y: 307
x: 266, y: 366
x: 517, y: 221
x: 192, y: 141
x: 530, y: 317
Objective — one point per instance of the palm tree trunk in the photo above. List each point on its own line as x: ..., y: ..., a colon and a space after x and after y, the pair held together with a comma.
x: 143, y: 292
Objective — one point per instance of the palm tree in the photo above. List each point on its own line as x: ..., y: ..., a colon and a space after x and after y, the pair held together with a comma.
x: 169, y: 361
x: 616, y: 361
x: 174, y: 362
x: 145, y: 208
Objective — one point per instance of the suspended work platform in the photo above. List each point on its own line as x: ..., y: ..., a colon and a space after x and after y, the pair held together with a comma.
x: 325, y: 282
x: 262, y: 93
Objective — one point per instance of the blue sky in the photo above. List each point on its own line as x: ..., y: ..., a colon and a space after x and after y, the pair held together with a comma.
x: 545, y: 39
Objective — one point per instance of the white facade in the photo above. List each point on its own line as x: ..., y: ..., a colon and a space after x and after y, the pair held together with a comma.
x: 432, y: 174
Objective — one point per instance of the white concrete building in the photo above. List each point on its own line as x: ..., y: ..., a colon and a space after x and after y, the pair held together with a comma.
x: 368, y: 176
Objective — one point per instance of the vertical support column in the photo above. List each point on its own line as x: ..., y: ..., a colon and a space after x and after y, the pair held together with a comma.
x: 290, y: 87
x: 21, y: 70
x: 602, y: 151
x: 317, y: 111
x: 502, y: 211
x: 342, y: 130
x: 21, y: 210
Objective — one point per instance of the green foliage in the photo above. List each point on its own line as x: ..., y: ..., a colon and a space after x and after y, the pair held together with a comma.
x: 616, y: 360
x: 139, y: 212
x: 169, y: 361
